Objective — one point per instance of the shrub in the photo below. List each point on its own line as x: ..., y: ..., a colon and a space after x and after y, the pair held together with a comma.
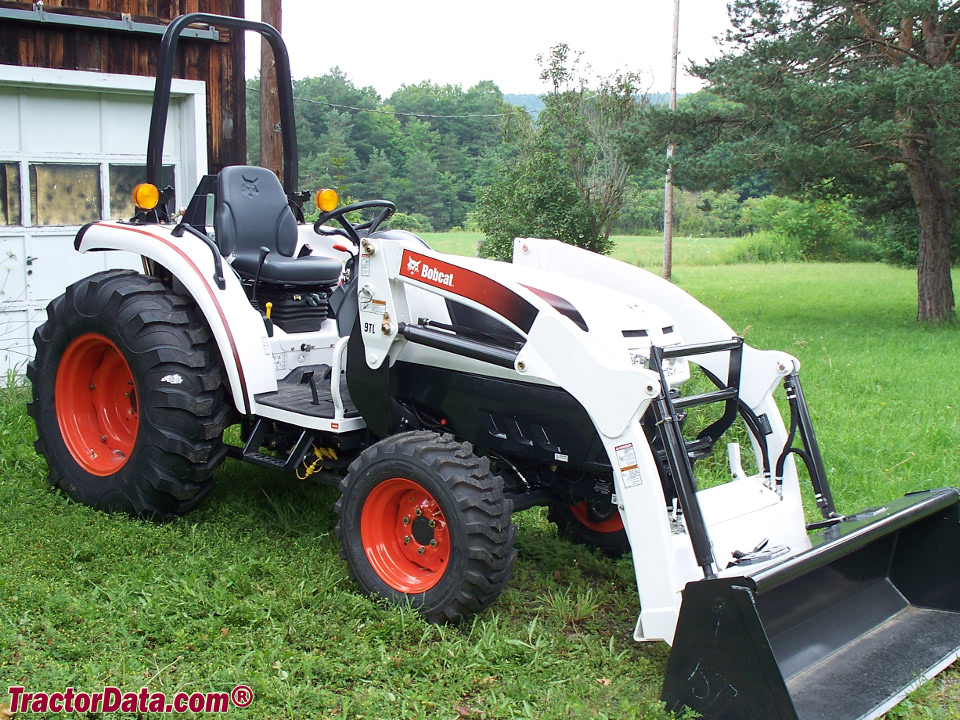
x: 534, y: 196
x: 862, y: 251
x: 642, y: 211
x: 708, y: 213
x: 821, y: 229
x: 764, y: 247
x: 898, y: 243
x: 413, y: 222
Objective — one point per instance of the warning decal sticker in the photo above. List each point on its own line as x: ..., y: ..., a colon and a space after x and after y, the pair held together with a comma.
x: 373, y: 305
x: 627, y: 462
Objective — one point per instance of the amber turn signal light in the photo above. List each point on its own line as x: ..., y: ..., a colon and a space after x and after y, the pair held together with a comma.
x: 326, y: 199
x: 146, y: 196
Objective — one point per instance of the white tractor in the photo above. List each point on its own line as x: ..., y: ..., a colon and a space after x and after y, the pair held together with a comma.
x: 441, y: 394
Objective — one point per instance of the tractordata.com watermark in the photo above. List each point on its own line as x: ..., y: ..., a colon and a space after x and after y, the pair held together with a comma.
x: 112, y: 699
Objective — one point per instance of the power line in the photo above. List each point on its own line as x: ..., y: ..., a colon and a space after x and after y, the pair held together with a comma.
x: 404, y: 114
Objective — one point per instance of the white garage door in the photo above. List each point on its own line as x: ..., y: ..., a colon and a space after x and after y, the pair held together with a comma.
x: 72, y: 147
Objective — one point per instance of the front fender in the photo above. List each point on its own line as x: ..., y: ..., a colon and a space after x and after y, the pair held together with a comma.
x: 236, y: 327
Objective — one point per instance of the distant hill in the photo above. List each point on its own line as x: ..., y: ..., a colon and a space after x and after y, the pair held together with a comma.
x: 532, y: 103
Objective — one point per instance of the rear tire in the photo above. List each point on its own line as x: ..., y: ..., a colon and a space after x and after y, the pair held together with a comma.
x: 596, y: 525
x: 128, y: 396
x: 424, y: 520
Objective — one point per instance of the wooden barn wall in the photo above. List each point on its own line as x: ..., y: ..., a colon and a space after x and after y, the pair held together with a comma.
x: 221, y: 63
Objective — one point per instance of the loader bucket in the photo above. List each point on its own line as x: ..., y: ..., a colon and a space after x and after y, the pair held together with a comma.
x: 842, y: 631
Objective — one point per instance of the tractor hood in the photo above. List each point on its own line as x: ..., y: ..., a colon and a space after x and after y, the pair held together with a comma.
x: 600, y: 311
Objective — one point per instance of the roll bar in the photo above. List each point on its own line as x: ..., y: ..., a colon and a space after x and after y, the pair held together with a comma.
x: 161, y: 93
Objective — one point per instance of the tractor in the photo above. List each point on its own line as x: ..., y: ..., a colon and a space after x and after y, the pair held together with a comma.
x: 441, y: 394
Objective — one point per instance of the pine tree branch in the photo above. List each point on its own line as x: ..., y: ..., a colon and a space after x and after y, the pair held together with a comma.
x: 894, y: 53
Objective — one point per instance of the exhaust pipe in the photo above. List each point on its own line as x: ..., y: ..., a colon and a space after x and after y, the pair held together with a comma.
x: 842, y: 631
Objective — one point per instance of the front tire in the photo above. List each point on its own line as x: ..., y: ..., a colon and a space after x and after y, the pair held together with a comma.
x: 424, y: 520
x: 128, y: 396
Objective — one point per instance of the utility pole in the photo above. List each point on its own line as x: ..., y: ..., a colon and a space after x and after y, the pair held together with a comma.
x: 668, y: 185
x: 270, y: 139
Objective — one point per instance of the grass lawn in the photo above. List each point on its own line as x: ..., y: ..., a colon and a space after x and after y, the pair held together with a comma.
x: 249, y: 588
x: 458, y: 243
x: 647, y: 252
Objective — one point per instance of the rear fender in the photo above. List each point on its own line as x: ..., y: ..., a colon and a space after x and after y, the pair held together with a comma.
x: 237, y: 328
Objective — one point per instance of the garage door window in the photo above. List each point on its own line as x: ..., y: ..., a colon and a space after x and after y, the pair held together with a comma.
x: 62, y: 194
x: 72, y: 194
x: 10, y: 194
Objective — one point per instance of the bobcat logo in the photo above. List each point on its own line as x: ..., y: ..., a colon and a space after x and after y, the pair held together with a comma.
x: 413, y: 266
x: 249, y: 187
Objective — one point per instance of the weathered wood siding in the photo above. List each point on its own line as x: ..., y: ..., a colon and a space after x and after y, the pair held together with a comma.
x: 221, y: 63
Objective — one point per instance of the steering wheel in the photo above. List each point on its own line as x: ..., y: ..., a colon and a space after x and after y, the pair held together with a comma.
x: 349, y: 229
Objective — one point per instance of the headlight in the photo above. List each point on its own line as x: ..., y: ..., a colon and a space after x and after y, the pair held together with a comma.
x: 640, y: 357
x: 674, y: 367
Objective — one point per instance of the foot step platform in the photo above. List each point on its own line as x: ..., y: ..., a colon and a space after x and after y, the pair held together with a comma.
x: 308, y: 391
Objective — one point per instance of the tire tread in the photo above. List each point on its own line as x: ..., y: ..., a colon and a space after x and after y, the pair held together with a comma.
x: 161, y: 333
x: 478, y: 494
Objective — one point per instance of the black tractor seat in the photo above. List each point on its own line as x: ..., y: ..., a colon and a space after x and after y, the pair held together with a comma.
x: 309, y: 270
x: 253, y: 212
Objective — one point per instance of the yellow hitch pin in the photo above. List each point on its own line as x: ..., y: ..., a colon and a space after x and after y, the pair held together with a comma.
x: 320, y: 454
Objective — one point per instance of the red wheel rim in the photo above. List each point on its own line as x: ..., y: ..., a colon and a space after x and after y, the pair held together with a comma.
x: 96, y: 403
x: 405, y: 535
x: 614, y: 523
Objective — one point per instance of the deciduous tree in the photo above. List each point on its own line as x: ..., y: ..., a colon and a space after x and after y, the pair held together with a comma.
x: 568, y: 179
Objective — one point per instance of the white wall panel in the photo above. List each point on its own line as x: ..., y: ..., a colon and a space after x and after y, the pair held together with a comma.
x: 10, y: 116
x: 62, y: 123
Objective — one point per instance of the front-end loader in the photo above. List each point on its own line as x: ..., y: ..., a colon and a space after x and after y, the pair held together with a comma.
x: 441, y: 394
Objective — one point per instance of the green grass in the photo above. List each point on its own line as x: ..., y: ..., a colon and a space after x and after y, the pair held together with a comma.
x: 647, y: 252
x: 249, y: 588
x: 455, y: 243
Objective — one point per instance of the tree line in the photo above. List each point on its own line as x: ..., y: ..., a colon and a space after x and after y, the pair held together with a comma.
x: 832, y: 124
x: 426, y: 147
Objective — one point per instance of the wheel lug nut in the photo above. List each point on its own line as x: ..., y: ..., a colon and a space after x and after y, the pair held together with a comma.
x: 406, y: 519
x: 433, y: 543
x: 433, y: 523
x: 421, y: 550
x: 406, y: 540
x: 419, y: 512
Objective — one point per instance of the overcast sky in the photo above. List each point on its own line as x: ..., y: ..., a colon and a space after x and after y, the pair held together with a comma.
x: 386, y: 44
